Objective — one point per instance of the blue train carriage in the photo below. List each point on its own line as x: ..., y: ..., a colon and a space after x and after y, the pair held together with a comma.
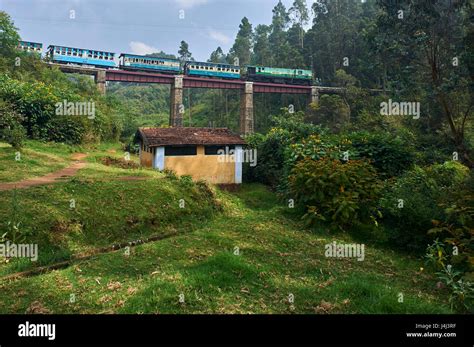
x: 30, y: 47
x: 144, y: 63
x: 202, y: 69
x: 279, y: 75
x: 79, y: 56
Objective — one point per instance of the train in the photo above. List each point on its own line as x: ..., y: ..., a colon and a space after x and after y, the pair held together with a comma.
x: 133, y: 62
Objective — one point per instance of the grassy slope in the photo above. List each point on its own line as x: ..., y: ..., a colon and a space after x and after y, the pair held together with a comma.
x: 107, y: 210
x: 36, y: 159
x: 277, y: 256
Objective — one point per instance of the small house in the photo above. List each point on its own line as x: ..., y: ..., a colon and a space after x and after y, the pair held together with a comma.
x: 210, y: 154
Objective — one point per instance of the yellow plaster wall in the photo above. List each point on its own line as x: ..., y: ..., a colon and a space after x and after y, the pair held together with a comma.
x: 202, y: 167
x: 146, y: 158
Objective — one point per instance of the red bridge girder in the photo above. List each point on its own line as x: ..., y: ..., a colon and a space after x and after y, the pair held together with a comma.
x: 137, y: 77
x: 215, y: 83
x: 199, y: 82
x: 260, y: 87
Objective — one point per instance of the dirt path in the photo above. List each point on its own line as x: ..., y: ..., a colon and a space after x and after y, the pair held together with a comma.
x: 50, y: 178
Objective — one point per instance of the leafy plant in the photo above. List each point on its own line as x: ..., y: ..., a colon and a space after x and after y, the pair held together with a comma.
x: 389, y: 154
x: 336, y: 192
x: 417, y: 201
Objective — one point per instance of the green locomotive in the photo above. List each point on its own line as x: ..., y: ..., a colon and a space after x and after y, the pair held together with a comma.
x: 279, y: 75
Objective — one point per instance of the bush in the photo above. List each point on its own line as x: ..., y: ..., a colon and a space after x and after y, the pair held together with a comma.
x: 70, y: 129
x: 332, y: 111
x: 457, y: 229
x: 336, y: 192
x: 413, y: 202
x: 11, y: 130
x: 36, y: 102
x: 288, y: 128
x: 389, y: 154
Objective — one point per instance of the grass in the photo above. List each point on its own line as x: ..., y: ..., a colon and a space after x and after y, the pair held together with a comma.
x: 240, y: 252
x: 36, y: 159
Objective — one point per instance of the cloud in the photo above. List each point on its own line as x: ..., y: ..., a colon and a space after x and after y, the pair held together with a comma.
x: 190, y: 3
x: 142, y: 48
x: 219, y: 37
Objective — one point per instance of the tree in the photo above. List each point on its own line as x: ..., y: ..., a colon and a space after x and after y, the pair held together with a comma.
x: 338, y: 39
x: 8, y: 35
x: 162, y: 54
x: 429, y: 41
x: 243, y: 44
x: 278, y: 37
x: 184, y: 53
x: 262, y: 54
x: 299, y: 11
x: 217, y: 56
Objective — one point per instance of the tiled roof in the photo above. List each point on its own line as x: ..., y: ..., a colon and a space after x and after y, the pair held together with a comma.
x: 154, y: 137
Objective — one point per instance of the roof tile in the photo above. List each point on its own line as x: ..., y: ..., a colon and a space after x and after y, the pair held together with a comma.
x: 154, y: 137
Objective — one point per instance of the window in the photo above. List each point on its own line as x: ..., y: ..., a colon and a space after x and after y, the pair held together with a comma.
x: 214, y: 150
x: 180, y: 150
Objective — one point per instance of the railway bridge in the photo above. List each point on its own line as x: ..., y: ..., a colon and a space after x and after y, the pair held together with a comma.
x: 180, y: 82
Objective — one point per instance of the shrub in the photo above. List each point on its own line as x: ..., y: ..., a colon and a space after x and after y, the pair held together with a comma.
x: 332, y: 111
x: 411, y: 203
x: 457, y: 229
x: 70, y: 129
x: 288, y: 128
x: 119, y: 162
x: 335, y: 192
x: 389, y: 154
x: 440, y: 256
x: 11, y: 130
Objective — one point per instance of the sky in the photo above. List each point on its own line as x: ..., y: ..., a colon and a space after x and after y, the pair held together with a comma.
x: 137, y: 26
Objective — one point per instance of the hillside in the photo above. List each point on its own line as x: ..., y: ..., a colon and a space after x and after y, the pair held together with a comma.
x: 226, y: 252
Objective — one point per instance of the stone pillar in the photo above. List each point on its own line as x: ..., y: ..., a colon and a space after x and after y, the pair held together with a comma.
x: 246, y: 109
x: 100, y: 81
x: 314, y: 95
x: 176, y: 102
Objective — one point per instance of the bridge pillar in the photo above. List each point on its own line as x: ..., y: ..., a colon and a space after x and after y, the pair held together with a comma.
x: 176, y: 102
x: 100, y: 81
x: 246, y: 109
x: 314, y: 95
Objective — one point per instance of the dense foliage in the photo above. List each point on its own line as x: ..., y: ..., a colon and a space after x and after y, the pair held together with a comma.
x: 337, y: 192
x: 413, y: 201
